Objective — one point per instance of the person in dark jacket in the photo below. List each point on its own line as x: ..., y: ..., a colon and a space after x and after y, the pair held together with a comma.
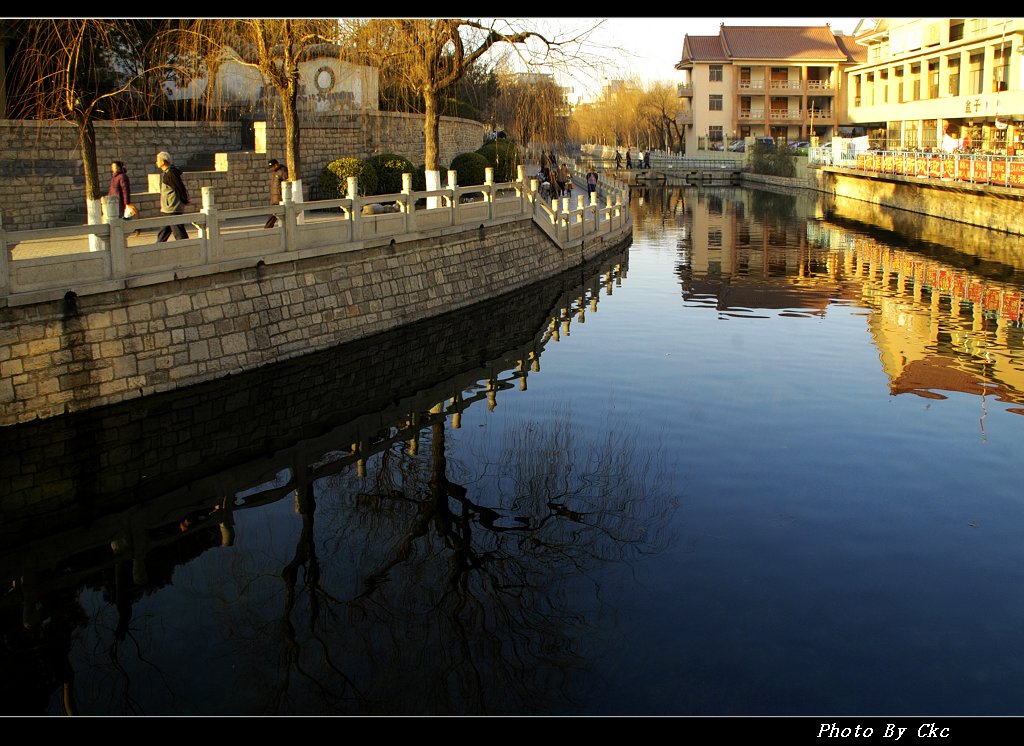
x: 278, y: 174
x: 120, y: 186
x: 173, y: 196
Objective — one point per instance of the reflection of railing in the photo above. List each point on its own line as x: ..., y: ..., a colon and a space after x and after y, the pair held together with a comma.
x: 997, y: 170
x: 1003, y: 300
x: 135, y: 522
x: 751, y: 114
x: 750, y: 85
x: 785, y: 114
x: 684, y: 89
x: 786, y: 85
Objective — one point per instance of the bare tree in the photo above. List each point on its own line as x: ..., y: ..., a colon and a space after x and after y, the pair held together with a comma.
x: 81, y: 70
x: 430, y: 54
x: 272, y: 46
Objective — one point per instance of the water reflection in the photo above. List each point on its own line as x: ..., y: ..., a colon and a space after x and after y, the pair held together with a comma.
x: 360, y: 570
x: 944, y: 318
x: 646, y: 521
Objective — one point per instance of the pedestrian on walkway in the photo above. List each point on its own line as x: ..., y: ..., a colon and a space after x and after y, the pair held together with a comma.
x: 618, y: 159
x: 278, y: 174
x: 173, y: 196
x: 120, y: 186
x: 591, y: 181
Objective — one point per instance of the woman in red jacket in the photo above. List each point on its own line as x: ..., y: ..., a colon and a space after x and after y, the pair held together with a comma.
x: 120, y: 187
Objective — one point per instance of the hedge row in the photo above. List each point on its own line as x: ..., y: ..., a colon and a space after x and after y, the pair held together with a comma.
x: 382, y: 173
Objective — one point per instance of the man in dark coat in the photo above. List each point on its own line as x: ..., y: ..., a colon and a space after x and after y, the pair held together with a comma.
x: 278, y: 174
x: 173, y: 196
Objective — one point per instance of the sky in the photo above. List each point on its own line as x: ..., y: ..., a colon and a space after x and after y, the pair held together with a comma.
x: 650, y: 46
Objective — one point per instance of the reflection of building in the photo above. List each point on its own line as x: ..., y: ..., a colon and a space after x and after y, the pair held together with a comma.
x: 939, y: 325
x: 939, y: 83
x: 782, y: 81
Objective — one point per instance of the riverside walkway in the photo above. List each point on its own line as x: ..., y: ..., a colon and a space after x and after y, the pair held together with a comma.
x: 46, y: 264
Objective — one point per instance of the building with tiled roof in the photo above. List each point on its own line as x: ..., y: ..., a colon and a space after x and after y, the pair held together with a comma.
x: 749, y: 81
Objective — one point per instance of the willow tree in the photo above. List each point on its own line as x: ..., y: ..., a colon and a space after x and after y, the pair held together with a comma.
x: 273, y: 47
x: 427, y: 55
x: 81, y: 70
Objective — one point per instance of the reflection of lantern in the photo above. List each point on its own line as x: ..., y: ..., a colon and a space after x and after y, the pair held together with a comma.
x: 1000, y: 124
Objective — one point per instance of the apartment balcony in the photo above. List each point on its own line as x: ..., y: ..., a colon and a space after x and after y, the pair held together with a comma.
x: 750, y: 85
x: 793, y: 86
x: 748, y: 115
x: 786, y: 115
x: 821, y: 86
x: 820, y: 115
x: 684, y: 90
x: 685, y: 117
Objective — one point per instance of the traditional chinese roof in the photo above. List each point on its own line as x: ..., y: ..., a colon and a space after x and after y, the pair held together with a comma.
x: 817, y: 43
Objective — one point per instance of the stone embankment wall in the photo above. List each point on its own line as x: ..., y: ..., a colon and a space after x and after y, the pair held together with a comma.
x: 101, y: 349
x: 993, y: 207
x: 42, y: 182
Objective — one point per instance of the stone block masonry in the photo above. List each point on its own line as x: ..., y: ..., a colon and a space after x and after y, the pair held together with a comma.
x: 100, y: 349
x: 42, y: 183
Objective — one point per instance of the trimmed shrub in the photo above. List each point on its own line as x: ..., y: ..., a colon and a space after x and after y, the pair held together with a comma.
x: 334, y: 178
x: 775, y: 162
x: 470, y: 167
x: 503, y: 156
x: 389, y: 168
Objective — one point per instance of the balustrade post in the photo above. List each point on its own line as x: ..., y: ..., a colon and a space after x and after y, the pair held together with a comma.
x: 410, y: 207
x: 489, y: 191
x: 290, y: 232
x: 115, y: 233
x: 355, y: 213
x: 453, y: 198
x: 297, y: 200
x: 212, y: 230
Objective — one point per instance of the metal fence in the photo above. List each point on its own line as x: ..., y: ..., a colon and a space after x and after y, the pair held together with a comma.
x: 972, y: 168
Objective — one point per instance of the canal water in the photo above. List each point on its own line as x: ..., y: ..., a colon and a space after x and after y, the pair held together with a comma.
x: 763, y: 461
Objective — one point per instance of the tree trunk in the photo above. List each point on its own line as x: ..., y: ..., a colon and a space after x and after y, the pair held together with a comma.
x: 87, y: 146
x: 431, y: 128
x: 291, y: 130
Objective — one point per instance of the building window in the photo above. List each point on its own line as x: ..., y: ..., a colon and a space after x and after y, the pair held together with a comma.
x: 976, y: 76
x: 915, y: 82
x: 715, y: 73
x: 883, y: 86
x: 954, y: 76
x: 714, y: 238
x: 929, y: 133
x: 933, y: 78
x: 715, y: 133
x: 1001, y: 68
x: 715, y: 102
x: 899, y: 84
x: 956, y: 29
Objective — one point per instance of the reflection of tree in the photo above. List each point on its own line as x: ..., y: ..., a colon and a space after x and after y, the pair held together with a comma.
x: 463, y: 590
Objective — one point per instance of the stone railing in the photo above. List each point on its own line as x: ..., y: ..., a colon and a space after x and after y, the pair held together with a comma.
x: 97, y: 258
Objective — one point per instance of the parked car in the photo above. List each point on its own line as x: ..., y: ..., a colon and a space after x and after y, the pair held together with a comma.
x: 800, y: 144
x: 738, y: 146
x: 768, y: 143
